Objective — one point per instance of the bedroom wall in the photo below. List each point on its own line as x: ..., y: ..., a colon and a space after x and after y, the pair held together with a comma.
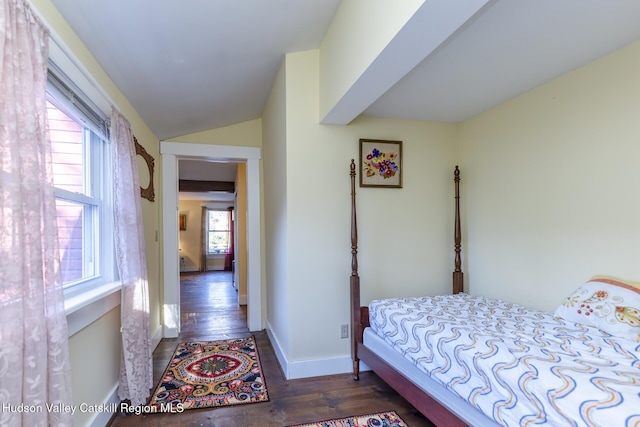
x: 275, y: 218
x: 190, y: 238
x: 550, y: 185
x: 85, y: 352
x: 405, y: 234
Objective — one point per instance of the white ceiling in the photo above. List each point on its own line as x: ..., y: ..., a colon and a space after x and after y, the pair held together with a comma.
x: 193, y: 65
x: 509, y: 48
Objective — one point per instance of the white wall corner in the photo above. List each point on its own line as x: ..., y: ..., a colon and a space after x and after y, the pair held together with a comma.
x: 156, y: 337
x: 312, y: 367
x: 319, y: 367
x: 277, y: 349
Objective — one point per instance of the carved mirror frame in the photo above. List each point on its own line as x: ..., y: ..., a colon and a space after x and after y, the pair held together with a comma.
x: 147, y: 192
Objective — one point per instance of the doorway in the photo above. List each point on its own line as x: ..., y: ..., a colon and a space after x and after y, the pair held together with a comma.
x: 171, y: 153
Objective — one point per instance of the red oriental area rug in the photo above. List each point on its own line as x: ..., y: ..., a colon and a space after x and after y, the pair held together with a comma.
x: 212, y: 373
x: 381, y: 419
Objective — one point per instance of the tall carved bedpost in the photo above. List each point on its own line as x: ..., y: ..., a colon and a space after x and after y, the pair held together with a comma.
x: 457, y: 273
x: 355, y: 279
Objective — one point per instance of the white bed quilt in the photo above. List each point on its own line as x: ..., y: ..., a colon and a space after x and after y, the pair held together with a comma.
x: 519, y: 366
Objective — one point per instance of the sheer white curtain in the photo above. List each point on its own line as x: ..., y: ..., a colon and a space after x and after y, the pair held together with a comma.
x: 136, y: 370
x: 34, y: 355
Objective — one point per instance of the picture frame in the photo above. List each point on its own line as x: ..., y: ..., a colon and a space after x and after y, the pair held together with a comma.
x: 183, y: 222
x: 146, y: 192
x: 380, y: 163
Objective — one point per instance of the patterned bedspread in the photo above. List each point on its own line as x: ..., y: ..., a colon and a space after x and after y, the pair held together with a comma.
x: 519, y: 366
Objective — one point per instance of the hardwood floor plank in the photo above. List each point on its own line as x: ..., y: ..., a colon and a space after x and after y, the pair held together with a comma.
x: 209, y: 311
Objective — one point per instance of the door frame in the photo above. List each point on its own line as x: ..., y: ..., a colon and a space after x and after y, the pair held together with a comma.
x: 171, y: 153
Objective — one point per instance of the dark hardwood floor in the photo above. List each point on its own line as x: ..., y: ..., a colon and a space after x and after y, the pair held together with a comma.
x: 210, y: 311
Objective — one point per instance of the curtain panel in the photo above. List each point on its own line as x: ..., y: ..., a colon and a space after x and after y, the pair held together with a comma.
x: 204, y: 230
x: 136, y: 370
x: 230, y: 256
x: 34, y: 354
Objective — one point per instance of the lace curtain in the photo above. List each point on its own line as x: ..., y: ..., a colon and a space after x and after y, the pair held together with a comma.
x: 204, y: 229
x: 230, y: 256
x: 136, y: 371
x: 34, y: 355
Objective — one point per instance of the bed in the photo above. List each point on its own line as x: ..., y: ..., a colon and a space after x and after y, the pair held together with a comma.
x: 467, y: 360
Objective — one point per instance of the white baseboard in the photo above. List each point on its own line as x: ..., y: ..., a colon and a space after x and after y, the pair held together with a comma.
x: 101, y: 418
x: 242, y: 299
x: 277, y: 348
x: 312, y: 367
x: 156, y: 337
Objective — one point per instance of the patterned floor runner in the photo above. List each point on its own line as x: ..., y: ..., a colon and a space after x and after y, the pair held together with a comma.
x: 381, y: 419
x: 211, y: 373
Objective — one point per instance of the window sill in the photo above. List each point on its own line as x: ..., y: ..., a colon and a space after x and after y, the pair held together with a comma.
x: 88, y: 306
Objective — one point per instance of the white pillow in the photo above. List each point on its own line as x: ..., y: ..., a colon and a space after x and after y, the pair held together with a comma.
x: 608, y: 303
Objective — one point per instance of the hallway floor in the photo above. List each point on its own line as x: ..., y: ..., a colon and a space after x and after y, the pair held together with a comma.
x: 210, y: 311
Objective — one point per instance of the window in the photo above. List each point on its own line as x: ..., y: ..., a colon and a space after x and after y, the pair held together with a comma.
x: 219, y: 232
x: 80, y: 166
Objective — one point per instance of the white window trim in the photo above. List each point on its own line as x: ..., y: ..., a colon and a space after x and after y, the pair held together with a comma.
x: 214, y: 255
x: 84, y: 305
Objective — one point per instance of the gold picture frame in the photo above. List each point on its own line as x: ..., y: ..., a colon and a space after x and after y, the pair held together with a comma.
x: 146, y: 192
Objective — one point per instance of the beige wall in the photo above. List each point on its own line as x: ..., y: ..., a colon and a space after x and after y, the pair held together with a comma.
x: 405, y: 233
x: 190, y: 238
x: 550, y: 185
x: 275, y: 213
x: 548, y: 200
x: 245, y: 134
x: 95, y: 363
x: 241, y: 227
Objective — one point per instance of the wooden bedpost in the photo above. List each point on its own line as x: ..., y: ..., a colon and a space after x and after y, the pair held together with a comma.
x: 457, y: 273
x: 355, y: 279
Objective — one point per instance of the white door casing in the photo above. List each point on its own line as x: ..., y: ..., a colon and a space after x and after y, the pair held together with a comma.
x: 172, y: 152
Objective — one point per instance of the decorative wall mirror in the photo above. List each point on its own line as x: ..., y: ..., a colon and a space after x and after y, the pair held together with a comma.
x: 148, y: 191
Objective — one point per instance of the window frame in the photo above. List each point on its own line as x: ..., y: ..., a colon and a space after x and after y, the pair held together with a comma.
x: 209, y: 231
x: 104, y: 280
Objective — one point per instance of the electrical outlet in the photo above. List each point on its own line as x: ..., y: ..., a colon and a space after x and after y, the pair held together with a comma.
x: 344, y: 331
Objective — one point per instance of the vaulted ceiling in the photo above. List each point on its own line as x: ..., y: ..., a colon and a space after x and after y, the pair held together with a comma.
x: 195, y: 65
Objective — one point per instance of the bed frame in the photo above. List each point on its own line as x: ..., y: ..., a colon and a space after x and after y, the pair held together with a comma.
x: 425, y: 403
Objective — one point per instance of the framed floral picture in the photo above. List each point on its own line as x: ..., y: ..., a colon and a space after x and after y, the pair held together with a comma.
x: 380, y: 163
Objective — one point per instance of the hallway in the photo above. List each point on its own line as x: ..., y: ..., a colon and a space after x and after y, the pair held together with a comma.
x: 209, y: 307
x: 210, y: 312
